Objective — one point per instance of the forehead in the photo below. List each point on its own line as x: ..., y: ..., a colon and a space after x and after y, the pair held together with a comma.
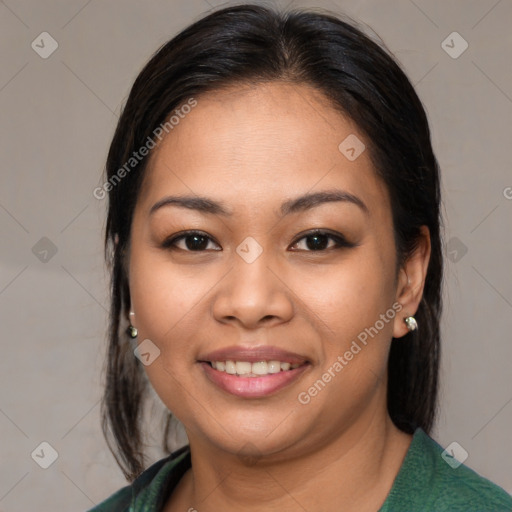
x: 251, y: 144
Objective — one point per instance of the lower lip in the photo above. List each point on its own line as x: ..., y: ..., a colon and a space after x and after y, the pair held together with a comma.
x: 253, y: 387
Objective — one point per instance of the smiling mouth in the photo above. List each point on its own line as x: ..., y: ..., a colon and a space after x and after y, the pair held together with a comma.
x: 256, y: 369
x: 258, y: 378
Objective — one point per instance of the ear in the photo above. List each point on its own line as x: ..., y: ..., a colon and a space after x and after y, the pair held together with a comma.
x: 411, y: 282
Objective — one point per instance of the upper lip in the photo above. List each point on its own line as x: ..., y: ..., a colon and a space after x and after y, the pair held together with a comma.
x: 253, y: 354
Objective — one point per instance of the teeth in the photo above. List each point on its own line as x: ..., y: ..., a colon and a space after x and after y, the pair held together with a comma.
x: 260, y: 368
x: 230, y: 367
x: 247, y: 369
x: 243, y: 368
x: 274, y: 366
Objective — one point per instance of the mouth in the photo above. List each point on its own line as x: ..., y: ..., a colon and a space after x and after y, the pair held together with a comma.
x: 253, y: 379
x: 255, y: 372
x: 251, y: 370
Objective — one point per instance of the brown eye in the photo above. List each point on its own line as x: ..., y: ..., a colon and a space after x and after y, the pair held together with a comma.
x: 194, y: 241
x: 318, y: 240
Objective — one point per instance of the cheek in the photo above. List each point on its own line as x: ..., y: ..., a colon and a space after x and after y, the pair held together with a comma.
x: 162, y: 293
x: 163, y: 300
x: 355, y: 340
x: 348, y: 297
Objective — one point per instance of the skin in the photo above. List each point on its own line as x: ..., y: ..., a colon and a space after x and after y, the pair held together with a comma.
x: 252, y: 148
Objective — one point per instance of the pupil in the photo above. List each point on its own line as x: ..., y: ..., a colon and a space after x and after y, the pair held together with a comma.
x: 194, y: 246
x: 317, y: 245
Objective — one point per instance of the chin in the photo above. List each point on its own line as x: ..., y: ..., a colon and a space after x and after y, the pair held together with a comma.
x: 248, y: 440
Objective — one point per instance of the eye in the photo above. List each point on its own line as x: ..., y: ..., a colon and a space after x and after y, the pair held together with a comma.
x: 195, y: 241
x: 318, y: 240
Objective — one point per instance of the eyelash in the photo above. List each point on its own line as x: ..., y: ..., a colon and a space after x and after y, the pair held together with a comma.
x: 340, y: 241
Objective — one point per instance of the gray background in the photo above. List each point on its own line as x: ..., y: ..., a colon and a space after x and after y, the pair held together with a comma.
x: 58, y: 116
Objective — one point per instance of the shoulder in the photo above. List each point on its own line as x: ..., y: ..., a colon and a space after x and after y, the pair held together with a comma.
x: 123, y: 499
x: 431, y: 479
x: 462, y: 488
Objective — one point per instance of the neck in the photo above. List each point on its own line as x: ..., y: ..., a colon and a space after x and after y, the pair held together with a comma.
x: 356, y: 469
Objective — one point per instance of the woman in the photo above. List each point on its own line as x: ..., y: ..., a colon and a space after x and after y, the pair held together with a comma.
x: 274, y: 239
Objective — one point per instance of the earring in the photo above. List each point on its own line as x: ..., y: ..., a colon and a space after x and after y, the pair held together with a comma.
x: 132, y: 331
x: 411, y: 323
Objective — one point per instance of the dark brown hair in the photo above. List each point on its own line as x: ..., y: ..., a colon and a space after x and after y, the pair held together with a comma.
x: 254, y: 44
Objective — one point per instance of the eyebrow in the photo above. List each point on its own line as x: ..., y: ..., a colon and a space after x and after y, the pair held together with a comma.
x: 298, y: 204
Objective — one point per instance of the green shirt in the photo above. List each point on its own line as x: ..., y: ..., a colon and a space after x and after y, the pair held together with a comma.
x: 425, y: 483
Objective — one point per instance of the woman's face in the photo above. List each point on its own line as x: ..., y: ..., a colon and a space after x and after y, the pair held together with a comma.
x: 255, y: 288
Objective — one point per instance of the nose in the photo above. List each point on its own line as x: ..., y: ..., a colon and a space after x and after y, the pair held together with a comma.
x: 253, y: 295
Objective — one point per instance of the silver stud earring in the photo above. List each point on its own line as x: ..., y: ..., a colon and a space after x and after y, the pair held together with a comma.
x: 411, y: 323
x: 132, y: 331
